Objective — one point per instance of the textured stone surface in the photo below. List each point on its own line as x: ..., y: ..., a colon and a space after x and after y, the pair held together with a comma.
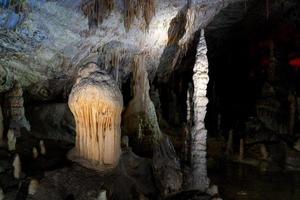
x: 140, y: 119
x: 199, y: 179
x: 166, y: 168
x: 54, y: 38
x: 14, y: 109
x: 52, y: 121
x: 131, y: 178
x: 96, y: 103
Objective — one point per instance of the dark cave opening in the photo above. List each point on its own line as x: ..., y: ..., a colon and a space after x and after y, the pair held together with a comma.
x: 253, y: 110
x: 244, y: 59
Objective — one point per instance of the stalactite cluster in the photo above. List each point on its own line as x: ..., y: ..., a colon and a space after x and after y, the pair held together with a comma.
x: 113, y: 60
x: 135, y: 8
x: 97, y: 10
x: 96, y: 104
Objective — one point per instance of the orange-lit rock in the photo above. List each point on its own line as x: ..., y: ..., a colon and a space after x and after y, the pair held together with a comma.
x: 96, y: 103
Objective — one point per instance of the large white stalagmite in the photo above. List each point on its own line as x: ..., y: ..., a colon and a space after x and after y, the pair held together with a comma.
x: 96, y: 103
x: 199, y: 179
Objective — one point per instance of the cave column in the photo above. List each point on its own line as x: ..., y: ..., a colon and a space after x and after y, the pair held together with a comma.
x: 199, y: 179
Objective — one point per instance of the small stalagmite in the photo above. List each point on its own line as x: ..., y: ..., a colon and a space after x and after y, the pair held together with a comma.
x: 33, y: 186
x: 96, y: 103
x: 35, y: 153
x: 2, y: 196
x: 11, y: 140
x: 17, y: 167
x: 42, y: 147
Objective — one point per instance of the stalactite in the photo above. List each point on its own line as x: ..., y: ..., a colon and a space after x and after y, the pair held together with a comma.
x: 96, y: 104
x: 199, y: 179
x: 135, y: 8
x: 110, y: 4
x: 114, y: 60
x: 140, y: 117
x: 97, y: 10
x: 267, y: 9
x: 149, y: 11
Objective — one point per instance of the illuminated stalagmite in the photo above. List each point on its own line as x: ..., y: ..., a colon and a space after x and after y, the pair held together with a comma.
x: 96, y: 103
x: 199, y: 179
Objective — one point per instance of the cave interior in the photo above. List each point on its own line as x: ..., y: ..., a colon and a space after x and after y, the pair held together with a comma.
x: 149, y: 99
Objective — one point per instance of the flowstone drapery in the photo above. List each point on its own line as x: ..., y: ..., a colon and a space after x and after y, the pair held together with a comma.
x: 96, y: 103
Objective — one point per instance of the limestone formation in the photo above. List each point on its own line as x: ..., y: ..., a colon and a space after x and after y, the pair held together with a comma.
x: 199, y: 179
x: 33, y: 186
x: 17, y: 167
x: 140, y: 120
x: 35, y: 153
x: 15, y: 112
x: 96, y: 103
x: 102, y: 195
x: 6, y: 79
x: 133, y: 8
x: 213, y: 190
x: 166, y: 168
x: 297, y: 145
x: 264, y: 152
x: 11, y: 140
x: 42, y: 147
x: 2, y: 196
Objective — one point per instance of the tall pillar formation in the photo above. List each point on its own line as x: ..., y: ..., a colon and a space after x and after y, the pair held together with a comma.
x: 199, y: 179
